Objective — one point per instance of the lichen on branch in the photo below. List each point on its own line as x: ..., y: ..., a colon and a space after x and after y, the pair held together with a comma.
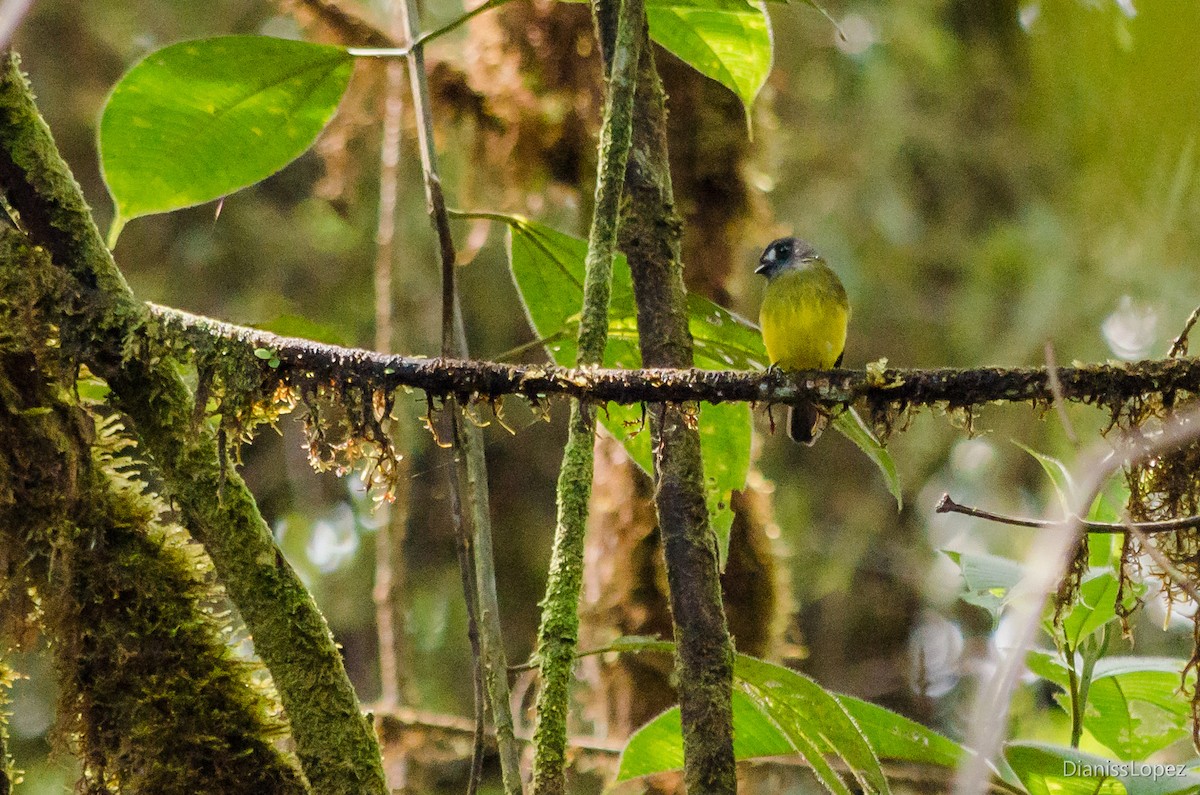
x: 1115, y: 386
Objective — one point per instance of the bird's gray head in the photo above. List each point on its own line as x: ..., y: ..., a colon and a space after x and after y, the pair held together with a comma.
x: 783, y: 254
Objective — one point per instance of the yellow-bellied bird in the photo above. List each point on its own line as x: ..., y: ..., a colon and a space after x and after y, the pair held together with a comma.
x: 803, y: 318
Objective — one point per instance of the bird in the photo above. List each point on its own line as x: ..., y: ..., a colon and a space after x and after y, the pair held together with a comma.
x: 804, y: 316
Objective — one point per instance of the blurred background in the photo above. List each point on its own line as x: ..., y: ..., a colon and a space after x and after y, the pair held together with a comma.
x: 986, y: 178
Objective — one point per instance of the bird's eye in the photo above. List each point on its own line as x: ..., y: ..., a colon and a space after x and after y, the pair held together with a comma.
x: 785, y: 252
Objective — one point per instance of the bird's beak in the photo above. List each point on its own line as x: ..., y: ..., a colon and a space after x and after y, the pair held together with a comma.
x: 763, y: 267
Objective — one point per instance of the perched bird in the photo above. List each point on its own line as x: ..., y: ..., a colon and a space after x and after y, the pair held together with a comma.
x: 803, y: 318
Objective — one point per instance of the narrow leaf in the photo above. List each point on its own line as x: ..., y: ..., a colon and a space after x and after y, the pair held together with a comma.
x: 853, y: 428
x: 1060, y: 477
x: 779, y: 712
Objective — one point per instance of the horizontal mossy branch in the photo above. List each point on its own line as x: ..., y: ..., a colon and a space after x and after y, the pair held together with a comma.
x: 1110, y: 385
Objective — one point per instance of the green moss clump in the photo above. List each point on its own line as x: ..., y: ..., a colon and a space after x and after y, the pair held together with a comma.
x: 152, y: 697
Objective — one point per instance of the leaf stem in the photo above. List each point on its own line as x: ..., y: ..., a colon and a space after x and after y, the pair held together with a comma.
x: 404, y: 52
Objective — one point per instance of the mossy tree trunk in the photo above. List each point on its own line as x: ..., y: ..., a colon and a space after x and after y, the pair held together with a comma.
x: 104, y: 326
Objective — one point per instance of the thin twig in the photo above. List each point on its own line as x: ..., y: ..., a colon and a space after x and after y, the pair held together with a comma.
x: 458, y: 480
x: 1180, y: 346
x: 424, y: 38
x: 470, y: 476
x: 466, y: 568
x: 947, y: 505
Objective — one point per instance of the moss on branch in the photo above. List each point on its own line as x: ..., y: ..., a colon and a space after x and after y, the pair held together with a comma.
x: 1109, y: 385
x: 151, y: 695
x: 103, y: 325
x: 558, y: 634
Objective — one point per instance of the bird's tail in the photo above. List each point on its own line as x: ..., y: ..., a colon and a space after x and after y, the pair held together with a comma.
x: 805, y: 423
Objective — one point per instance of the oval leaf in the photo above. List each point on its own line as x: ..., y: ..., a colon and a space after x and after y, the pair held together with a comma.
x: 198, y: 120
x: 729, y: 42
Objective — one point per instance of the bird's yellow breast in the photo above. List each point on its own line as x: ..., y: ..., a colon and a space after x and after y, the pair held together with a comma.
x: 804, y: 317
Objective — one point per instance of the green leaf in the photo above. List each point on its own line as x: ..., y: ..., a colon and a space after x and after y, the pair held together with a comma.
x: 896, y: 738
x: 853, y: 428
x: 1046, y: 770
x: 1094, y: 607
x: 548, y: 268
x: 731, y: 43
x: 1053, y: 770
x: 1135, y: 707
x: 1060, y: 478
x: 1104, y: 549
x: 811, y: 718
x: 778, y: 712
x: 987, y: 580
x: 198, y: 120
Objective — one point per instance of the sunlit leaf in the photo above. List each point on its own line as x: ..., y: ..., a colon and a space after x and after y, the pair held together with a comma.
x: 778, y: 712
x: 731, y: 43
x: 1052, y: 770
x: 200, y: 119
x: 1135, y: 707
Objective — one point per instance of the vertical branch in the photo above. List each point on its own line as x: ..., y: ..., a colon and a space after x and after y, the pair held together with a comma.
x: 470, y: 464
x: 559, y: 632
x: 390, y: 578
x: 650, y: 237
x: 106, y: 328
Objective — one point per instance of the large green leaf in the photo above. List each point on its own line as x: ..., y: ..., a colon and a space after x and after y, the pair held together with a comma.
x: 548, y: 267
x: 1054, y: 770
x: 198, y: 120
x: 729, y: 42
x: 1134, y: 705
x: 778, y: 712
